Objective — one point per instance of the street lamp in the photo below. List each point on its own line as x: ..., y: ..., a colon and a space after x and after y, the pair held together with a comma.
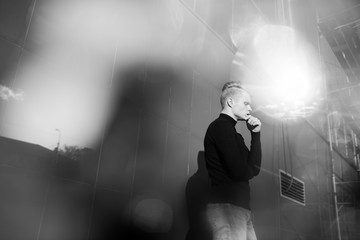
x: 58, y: 145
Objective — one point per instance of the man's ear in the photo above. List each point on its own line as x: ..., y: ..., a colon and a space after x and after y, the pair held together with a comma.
x: 230, y: 102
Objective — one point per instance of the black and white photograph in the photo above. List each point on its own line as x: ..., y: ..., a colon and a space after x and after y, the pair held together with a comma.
x: 179, y: 119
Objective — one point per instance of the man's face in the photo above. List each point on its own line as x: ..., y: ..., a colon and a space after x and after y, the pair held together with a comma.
x: 241, y: 105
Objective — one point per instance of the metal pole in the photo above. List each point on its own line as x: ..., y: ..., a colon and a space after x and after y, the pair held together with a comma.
x: 333, y: 186
x: 333, y: 178
x: 336, y: 206
x: 356, y: 153
x: 58, y: 145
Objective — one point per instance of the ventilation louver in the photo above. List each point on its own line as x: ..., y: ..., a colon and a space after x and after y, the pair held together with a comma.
x: 292, y: 188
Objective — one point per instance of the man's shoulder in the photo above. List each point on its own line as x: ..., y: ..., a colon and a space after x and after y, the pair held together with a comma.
x: 220, y: 123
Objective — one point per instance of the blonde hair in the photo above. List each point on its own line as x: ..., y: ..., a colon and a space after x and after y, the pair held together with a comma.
x: 230, y: 89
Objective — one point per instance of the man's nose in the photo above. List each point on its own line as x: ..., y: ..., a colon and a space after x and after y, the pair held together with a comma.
x: 249, y: 108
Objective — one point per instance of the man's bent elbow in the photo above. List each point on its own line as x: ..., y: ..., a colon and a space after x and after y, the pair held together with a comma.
x: 256, y: 170
x: 244, y: 176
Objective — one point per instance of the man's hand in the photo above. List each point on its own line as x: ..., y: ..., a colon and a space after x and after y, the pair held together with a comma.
x: 253, y: 124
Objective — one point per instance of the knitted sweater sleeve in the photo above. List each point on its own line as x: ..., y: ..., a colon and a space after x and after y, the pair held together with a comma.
x: 240, y: 163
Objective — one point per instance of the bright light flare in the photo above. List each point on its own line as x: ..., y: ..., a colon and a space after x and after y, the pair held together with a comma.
x: 78, y: 50
x: 285, y: 73
x: 284, y: 62
x: 133, y: 27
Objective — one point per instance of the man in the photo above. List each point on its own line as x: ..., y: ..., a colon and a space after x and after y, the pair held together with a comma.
x: 231, y: 165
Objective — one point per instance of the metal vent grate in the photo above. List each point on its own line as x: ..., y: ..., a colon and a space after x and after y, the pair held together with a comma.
x: 292, y: 188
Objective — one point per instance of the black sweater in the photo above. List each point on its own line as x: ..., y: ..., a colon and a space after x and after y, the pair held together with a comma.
x: 229, y: 162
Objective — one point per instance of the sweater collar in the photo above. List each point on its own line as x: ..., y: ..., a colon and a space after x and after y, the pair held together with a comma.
x: 228, y: 118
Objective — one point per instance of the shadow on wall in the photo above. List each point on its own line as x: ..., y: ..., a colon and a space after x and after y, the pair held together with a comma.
x: 134, y: 201
x: 197, y: 189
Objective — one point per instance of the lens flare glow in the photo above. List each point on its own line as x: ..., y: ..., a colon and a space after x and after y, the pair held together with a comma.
x: 70, y: 77
x: 284, y: 73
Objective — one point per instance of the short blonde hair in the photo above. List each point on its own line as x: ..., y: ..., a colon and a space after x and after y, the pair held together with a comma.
x: 229, y: 90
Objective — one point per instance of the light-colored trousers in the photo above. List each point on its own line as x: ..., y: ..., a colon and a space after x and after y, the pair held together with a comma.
x: 230, y: 222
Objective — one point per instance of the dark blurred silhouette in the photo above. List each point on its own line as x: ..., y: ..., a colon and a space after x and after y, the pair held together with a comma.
x: 197, y: 189
x: 131, y: 157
